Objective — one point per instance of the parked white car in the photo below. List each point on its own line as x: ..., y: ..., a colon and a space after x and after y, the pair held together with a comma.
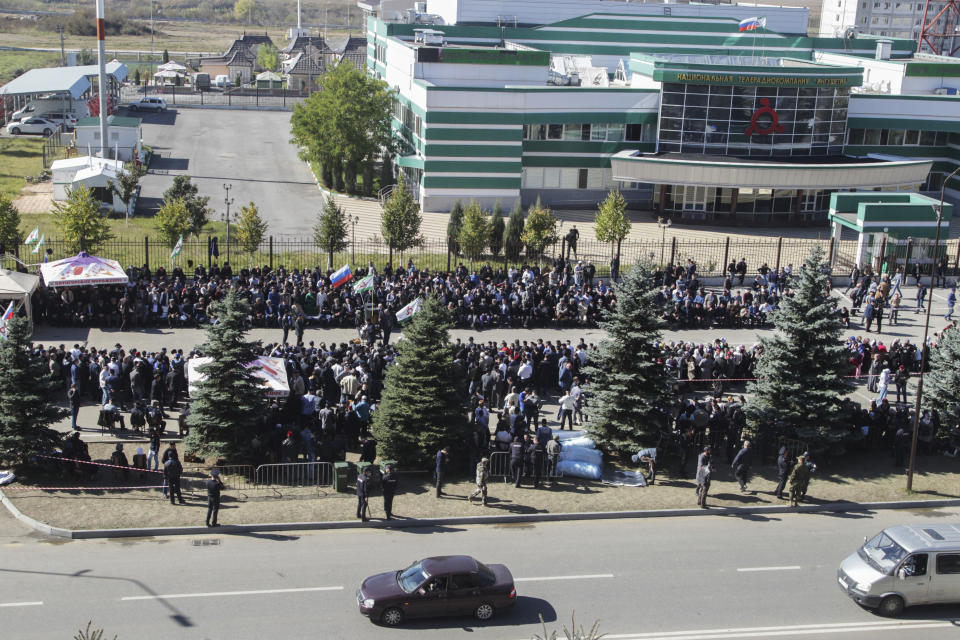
x: 32, y: 125
x: 66, y: 120
x: 148, y: 104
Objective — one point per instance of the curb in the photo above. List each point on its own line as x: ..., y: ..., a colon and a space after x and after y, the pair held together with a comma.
x: 833, y: 507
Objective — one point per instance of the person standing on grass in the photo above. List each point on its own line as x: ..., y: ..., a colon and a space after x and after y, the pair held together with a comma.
x: 214, y: 487
x: 389, y: 483
x: 483, y: 474
x: 172, y: 470
x: 741, y: 465
x: 440, y: 471
x: 363, y: 494
x: 799, y: 480
x: 783, y: 472
x: 703, y: 483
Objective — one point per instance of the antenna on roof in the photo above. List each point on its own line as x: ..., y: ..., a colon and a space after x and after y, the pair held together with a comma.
x: 503, y: 40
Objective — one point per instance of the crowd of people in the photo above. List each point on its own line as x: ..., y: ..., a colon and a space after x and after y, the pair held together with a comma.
x: 566, y: 294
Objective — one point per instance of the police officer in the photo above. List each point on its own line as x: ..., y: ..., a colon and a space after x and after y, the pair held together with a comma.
x: 172, y: 470
x: 389, y: 483
x: 363, y: 494
x: 214, y: 487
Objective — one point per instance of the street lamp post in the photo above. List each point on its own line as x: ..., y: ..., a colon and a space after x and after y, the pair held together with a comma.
x: 664, y: 224
x: 228, y: 201
x: 353, y: 238
x: 923, y: 345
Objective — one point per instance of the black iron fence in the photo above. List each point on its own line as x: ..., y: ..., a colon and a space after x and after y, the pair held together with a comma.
x: 710, y: 256
x: 250, y: 97
x: 57, y: 146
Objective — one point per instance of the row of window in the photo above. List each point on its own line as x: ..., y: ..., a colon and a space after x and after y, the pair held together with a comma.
x: 671, y: 89
x: 563, y: 178
x: 897, y: 137
x: 886, y: 6
x: 592, y: 132
x: 411, y: 121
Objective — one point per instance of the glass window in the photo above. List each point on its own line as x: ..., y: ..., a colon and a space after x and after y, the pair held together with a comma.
x: 533, y: 178
x: 928, y: 138
x: 582, y: 179
x: 634, y: 132
x: 911, y: 137
x: 696, y: 100
x: 569, y: 178
x: 551, y: 178
x: 941, y: 138
x: 573, y: 132
x: 594, y: 178
x: 554, y: 132
x: 672, y: 98
x: 585, y: 132
x: 463, y: 581
x: 615, y: 132
x: 871, y: 136
x: 915, y: 565
x: 895, y: 137
x: 598, y: 132
x: 948, y: 563
x: 882, y: 553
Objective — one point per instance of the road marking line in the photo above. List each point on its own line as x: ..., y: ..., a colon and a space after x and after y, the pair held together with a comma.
x: 214, y: 594
x: 583, y: 577
x: 793, y: 630
x: 21, y: 604
x: 786, y: 568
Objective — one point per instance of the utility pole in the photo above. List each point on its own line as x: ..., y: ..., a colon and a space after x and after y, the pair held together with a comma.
x: 228, y: 201
x: 102, y: 79
x: 63, y: 56
x: 151, y: 36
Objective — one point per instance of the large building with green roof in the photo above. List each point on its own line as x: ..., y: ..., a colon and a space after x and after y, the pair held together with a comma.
x: 672, y: 104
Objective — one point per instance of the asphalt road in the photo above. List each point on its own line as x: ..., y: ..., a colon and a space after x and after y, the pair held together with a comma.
x: 248, y: 149
x: 686, y: 578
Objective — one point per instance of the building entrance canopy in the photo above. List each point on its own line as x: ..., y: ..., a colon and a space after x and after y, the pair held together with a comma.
x: 714, y: 171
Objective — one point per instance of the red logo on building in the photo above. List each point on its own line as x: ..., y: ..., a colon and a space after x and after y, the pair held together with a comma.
x: 764, y: 120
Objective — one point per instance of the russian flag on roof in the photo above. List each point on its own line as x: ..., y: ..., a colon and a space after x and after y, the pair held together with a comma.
x: 752, y: 24
x: 341, y: 276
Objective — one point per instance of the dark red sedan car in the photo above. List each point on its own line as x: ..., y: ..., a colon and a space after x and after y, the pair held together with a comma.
x: 434, y: 587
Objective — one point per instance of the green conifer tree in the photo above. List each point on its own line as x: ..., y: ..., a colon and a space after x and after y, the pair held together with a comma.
x: 632, y: 394
x: 941, y: 386
x: 497, y: 229
x: 420, y: 410
x: 800, y: 381
x: 228, y: 404
x: 454, y: 224
x: 513, y: 236
x: 27, y: 398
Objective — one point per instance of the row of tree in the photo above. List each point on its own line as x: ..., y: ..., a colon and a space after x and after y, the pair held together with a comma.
x: 799, y: 391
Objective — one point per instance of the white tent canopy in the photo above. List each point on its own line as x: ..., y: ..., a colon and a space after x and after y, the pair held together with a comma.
x: 18, y: 286
x: 172, y: 66
x: 167, y: 74
x: 271, y: 371
x: 82, y: 270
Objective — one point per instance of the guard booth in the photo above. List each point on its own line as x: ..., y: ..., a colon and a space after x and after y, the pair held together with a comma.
x: 893, y: 229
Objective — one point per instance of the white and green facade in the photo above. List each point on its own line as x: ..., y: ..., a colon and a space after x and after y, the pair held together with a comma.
x: 657, y: 105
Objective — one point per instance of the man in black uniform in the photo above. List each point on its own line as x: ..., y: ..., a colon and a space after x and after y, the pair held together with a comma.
x: 389, y: 483
x: 214, y: 487
x: 172, y: 470
x: 363, y: 494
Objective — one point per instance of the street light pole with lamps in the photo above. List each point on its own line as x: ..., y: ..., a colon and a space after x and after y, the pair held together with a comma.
x: 664, y: 224
x: 353, y: 238
x: 923, y: 345
x: 228, y: 201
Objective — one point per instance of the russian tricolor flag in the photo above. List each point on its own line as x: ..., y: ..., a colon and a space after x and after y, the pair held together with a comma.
x: 341, y: 276
x: 752, y: 24
x: 9, y: 313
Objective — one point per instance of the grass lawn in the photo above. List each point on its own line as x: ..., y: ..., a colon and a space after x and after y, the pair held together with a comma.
x: 862, y: 477
x: 11, y: 61
x: 133, y: 230
x: 19, y: 157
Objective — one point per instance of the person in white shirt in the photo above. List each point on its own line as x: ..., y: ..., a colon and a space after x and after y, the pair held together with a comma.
x: 567, y: 406
x: 525, y: 372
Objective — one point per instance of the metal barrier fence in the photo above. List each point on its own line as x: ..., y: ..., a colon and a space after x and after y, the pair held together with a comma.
x: 294, y: 474
x: 710, y: 256
x: 239, y: 97
x: 500, y: 467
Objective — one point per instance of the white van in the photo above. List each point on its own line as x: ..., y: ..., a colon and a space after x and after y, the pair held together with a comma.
x: 904, y: 566
x: 222, y: 81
